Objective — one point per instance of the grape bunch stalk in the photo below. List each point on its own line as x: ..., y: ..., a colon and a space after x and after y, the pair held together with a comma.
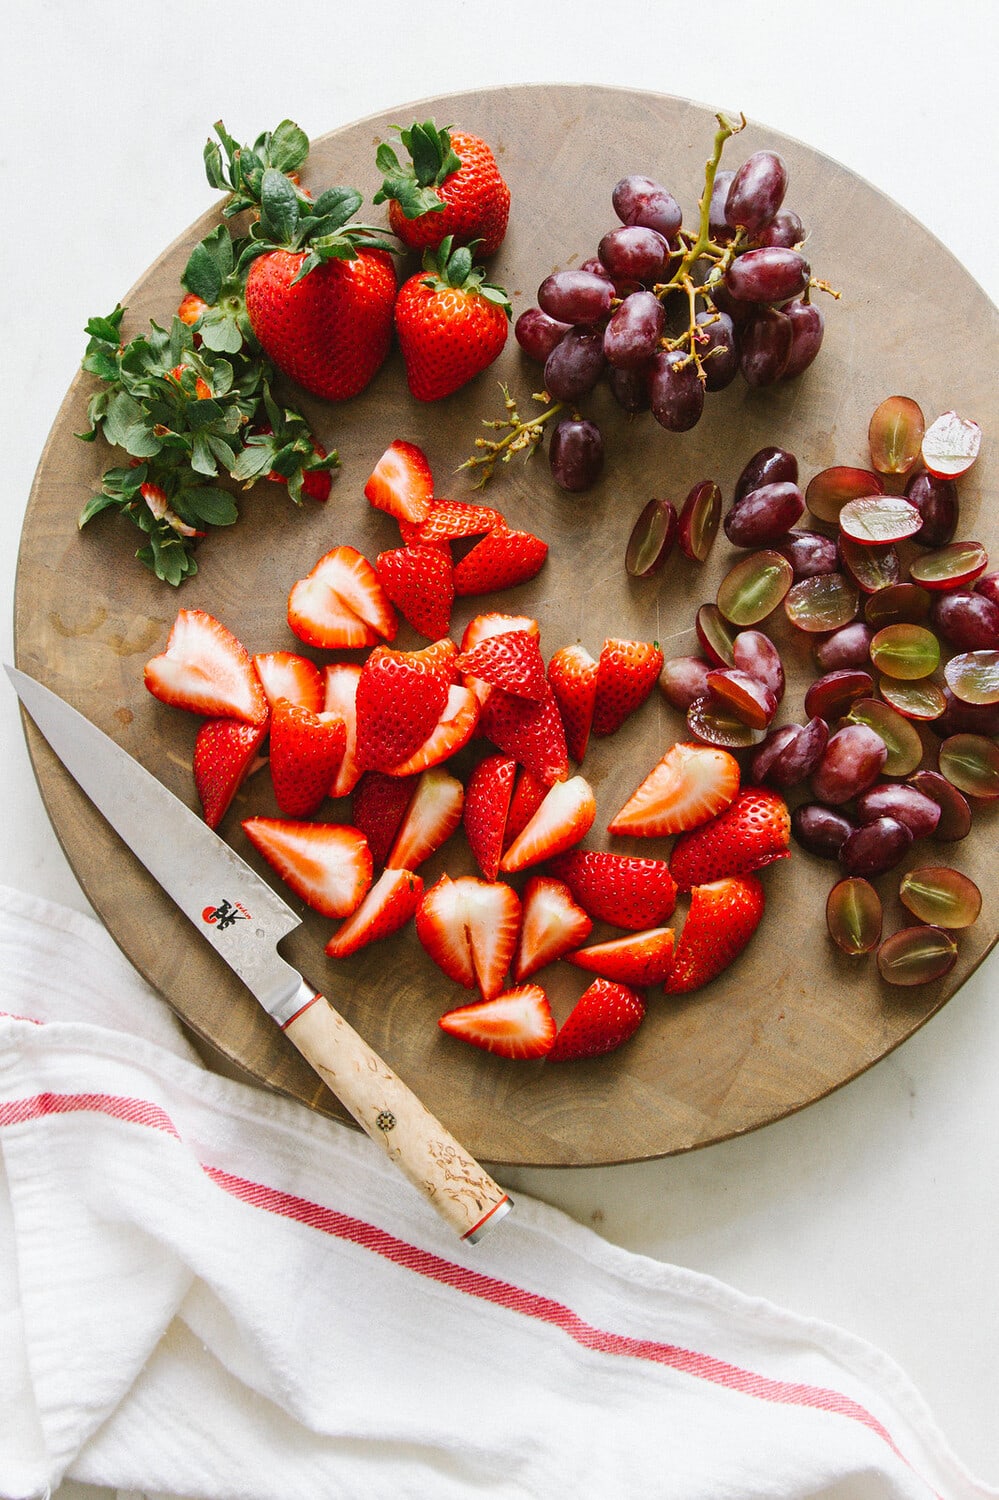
x: 665, y: 314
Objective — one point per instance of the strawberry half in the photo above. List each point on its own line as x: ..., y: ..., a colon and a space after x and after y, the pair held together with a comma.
x: 469, y: 928
x: 328, y: 865
x: 400, y: 698
x: 452, y: 733
x: 517, y: 1024
x: 419, y: 581
x: 751, y: 833
x: 305, y: 753
x: 605, y: 1016
x: 225, y: 752
x: 401, y: 482
x: 531, y: 732
x: 283, y: 674
x: 389, y: 904
x: 341, y: 604
x: 206, y: 670
x: 691, y: 784
x: 430, y: 819
x: 341, y: 679
x: 572, y: 674
x: 625, y: 890
x: 487, y: 804
x: 626, y: 674
x: 722, y: 918
x: 528, y: 794
x: 564, y: 817
x: 378, y: 807
x: 500, y: 561
x: 640, y: 959
x: 511, y: 661
x: 552, y: 925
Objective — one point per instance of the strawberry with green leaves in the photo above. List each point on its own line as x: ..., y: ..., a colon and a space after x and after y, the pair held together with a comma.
x: 450, y: 321
x: 450, y: 186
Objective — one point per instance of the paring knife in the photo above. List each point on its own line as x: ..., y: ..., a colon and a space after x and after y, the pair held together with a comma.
x: 244, y: 920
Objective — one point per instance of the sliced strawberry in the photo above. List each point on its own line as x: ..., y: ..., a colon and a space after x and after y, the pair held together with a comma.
x: 626, y: 674
x: 625, y: 890
x: 531, y: 732
x: 722, y: 918
x: 328, y: 865
x: 604, y: 1017
x: 341, y: 604
x: 640, y: 959
x: 528, y: 795
x: 552, y: 924
x: 454, y: 729
x: 518, y: 1023
x: 206, y: 670
x: 226, y: 752
x: 420, y: 583
x: 751, y: 833
x: 450, y: 519
x: 487, y: 804
x: 469, y: 928
x: 400, y: 698
x: 401, y: 482
x: 691, y: 784
x: 283, y: 674
x: 389, y: 904
x: 511, y: 661
x: 305, y: 754
x: 431, y: 817
x: 564, y: 817
x: 493, y: 622
x: 341, y: 679
x: 572, y: 673
x: 502, y: 559
x: 378, y: 807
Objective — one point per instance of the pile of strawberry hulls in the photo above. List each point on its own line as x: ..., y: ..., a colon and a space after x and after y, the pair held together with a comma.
x: 302, y: 288
x: 386, y: 731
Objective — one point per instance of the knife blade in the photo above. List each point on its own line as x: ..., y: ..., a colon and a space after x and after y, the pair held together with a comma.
x: 244, y: 919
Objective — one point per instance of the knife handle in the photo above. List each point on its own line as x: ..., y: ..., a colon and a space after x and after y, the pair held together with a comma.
x: 453, y: 1182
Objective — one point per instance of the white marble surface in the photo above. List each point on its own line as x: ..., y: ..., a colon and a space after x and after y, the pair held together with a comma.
x: 877, y: 1208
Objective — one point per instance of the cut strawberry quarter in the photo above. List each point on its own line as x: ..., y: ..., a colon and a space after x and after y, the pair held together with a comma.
x: 487, y: 804
x: 206, y: 670
x: 516, y: 1024
x: 341, y: 679
x: 378, y: 807
x: 327, y: 864
x: 401, y: 482
x: 305, y: 754
x: 565, y: 816
x: 572, y: 673
x: 454, y: 729
x: 431, y: 817
x: 469, y: 928
x: 501, y: 560
x: 640, y: 959
x: 387, y: 907
x: 284, y: 674
x: 604, y: 1017
x: 531, y: 732
x: 341, y: 604
x: 511, y: 661
x: 626, y: 890
x: 722, y: 918
x: 493, y: 622
x: 451, y: 519
x: 226, y: 752
x: 626, y: 674
x: 400, y: 698
x: 552, y: 925
x: 691, y: 784
x: 751, y: 833
x: 419, y: 581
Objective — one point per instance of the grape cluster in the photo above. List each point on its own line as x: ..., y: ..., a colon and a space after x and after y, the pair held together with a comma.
x: 664, y: 315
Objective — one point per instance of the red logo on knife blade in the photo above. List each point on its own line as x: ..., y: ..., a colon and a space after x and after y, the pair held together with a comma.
x: 223, y: 915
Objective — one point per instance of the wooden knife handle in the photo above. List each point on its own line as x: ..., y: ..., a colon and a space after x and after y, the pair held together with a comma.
x: 451, y: 1180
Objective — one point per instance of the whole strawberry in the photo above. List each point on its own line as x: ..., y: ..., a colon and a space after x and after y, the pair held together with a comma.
x: 451, y: 322
x: 450, y: 187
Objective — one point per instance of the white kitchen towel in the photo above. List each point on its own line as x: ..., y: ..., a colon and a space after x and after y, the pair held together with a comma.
x: 207, y: 1290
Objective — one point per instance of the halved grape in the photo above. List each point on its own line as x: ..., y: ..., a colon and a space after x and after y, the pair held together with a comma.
x: 771, y: 275
x: 764, y: 515
x: 955, y: 812
x: 854, y: 916
x: 849, y: 646
x: 755, y: 653
x: 676, y: 394
x: 575, y: 296
x: 895, y: 435
x: 907, y: 652
x: 942, y: 896
x: 708, y: 722
x: 900, y: 738
x: 537, y: 333
x: 852, y: 760
x: 819, y: 829
x: 949, y: 567
x: 899, y: 604
x: 682, y: 679
x: 832, y: 696
x: 716, y: 636
x: 652, y: 538
x: 951, y: 445
x: 768, y: 465
x: 754, y: 587
x: 920, y: 700
x: 826, y: 602
x: 746, y: 697
x: 809, y: 553
x: 905, y: 804
x: 916, y: 955
x: 967, y: 620
x: 937, y: 503
x: 871, y: 568
x: 829, y: 490
x: 699, y: 518
x: 973, y: 676
x: 971, y: 763
x: 876, y: 519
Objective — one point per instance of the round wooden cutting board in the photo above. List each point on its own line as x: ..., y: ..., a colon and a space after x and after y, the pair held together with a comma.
x: 792, y: 1019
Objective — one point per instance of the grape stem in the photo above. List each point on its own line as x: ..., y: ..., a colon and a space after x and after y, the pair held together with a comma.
x: 523, y: 433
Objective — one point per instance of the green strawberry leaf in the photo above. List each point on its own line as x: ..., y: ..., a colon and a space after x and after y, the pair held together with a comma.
x: 209, y: 264
x: 279, y: 209
x: 206, y: 503
x: 221, y: 331
x: 337, y: 205
x: 94, y: 507
x: 412, y: 186
x: 287, y: 146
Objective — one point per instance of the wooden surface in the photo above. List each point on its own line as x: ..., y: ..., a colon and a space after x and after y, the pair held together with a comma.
x: 792, y: 1019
